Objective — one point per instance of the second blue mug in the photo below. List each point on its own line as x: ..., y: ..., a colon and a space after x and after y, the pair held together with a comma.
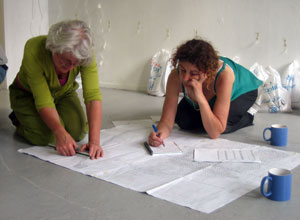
x: 278, y: 136
x: 279, y: 185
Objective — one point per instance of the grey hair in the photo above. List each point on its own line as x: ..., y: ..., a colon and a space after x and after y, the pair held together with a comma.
x: 71, y: 36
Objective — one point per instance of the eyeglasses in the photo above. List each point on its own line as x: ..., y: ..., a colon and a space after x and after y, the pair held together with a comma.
x: 67, y: 60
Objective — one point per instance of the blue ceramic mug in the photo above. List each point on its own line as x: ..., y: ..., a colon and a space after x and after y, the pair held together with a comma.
x: 279, y: 185
x: 279, y: 135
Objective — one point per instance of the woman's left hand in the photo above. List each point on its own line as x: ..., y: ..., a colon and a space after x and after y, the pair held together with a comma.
x: 95, y: 150
x: 195, y: 87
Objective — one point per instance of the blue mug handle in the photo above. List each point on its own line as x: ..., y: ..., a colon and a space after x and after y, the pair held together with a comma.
x: 262, y: 186
x: 265, y: 132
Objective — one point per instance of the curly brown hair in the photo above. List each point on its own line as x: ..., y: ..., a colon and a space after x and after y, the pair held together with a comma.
x: 199, y: 53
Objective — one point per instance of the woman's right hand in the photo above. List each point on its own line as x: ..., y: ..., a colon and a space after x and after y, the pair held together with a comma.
x: 154, y: 139
x: 65, y: 144
x: 167, y: 119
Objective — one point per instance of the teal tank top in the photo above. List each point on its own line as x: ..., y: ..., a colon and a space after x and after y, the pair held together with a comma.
x: 244, y: 82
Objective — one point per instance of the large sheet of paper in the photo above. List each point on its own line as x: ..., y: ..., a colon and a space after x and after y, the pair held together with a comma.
x: 203, y: 186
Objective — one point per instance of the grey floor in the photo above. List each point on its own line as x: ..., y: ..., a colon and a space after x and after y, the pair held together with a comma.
x: 32, y: 189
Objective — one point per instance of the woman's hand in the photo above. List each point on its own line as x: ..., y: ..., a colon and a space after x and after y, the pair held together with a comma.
x: 94, y: 115
x: 167, y: 119
x: 154, y: 139
x: 194, y: 87
x: 65, y: 144
x: 95, y: 151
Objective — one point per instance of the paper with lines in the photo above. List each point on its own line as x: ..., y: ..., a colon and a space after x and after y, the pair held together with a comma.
x: 226, y: 155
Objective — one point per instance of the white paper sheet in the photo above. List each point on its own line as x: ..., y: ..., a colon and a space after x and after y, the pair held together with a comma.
x: 199, y: 185
x: 168, y: 148
x: 226, y: 155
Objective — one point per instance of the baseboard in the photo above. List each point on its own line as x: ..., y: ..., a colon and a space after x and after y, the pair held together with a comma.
x: 105, y: 85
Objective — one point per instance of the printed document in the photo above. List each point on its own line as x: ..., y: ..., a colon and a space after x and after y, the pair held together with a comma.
x: 226, y: 155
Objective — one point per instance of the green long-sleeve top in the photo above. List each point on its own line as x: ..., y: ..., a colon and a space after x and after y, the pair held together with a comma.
x: 37, y: 75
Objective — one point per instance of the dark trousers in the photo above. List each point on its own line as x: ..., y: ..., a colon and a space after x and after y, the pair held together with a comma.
x: 190, y: 119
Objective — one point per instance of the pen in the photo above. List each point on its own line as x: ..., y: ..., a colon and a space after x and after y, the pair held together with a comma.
x: 157, y: 134
x: 148, y: 147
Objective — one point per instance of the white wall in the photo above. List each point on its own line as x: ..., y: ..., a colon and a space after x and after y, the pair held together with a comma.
x: 128, y: 32
x: 1, y: 24
x: 23, y: 19
x: 133, y: 30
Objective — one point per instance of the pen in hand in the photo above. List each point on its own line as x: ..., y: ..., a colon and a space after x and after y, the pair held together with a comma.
x: 157, y: 134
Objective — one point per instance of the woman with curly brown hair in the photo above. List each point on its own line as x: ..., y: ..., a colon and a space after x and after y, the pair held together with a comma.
x: 217, y: 93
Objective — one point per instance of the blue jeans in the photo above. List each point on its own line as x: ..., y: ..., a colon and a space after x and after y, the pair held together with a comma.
x: 3, y: 69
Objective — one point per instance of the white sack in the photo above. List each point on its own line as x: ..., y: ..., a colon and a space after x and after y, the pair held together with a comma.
x: 272, y: 97
x: 160, y: 70
x: 291, y: 81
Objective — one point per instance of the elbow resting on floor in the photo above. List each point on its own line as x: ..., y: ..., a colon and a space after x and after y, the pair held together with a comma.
x: 214, y: 136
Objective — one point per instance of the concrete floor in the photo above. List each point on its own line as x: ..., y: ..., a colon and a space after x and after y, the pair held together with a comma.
x: 32, y: 189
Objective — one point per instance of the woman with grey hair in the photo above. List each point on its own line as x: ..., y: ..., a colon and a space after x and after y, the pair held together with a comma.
x: 46, y: 107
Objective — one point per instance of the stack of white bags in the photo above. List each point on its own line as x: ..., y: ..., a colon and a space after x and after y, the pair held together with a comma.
x: 279, y: 92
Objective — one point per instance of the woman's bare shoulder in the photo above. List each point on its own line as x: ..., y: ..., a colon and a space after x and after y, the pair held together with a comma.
x: 227, y: 75
x: 174, y: 81
x: 174, y: 76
